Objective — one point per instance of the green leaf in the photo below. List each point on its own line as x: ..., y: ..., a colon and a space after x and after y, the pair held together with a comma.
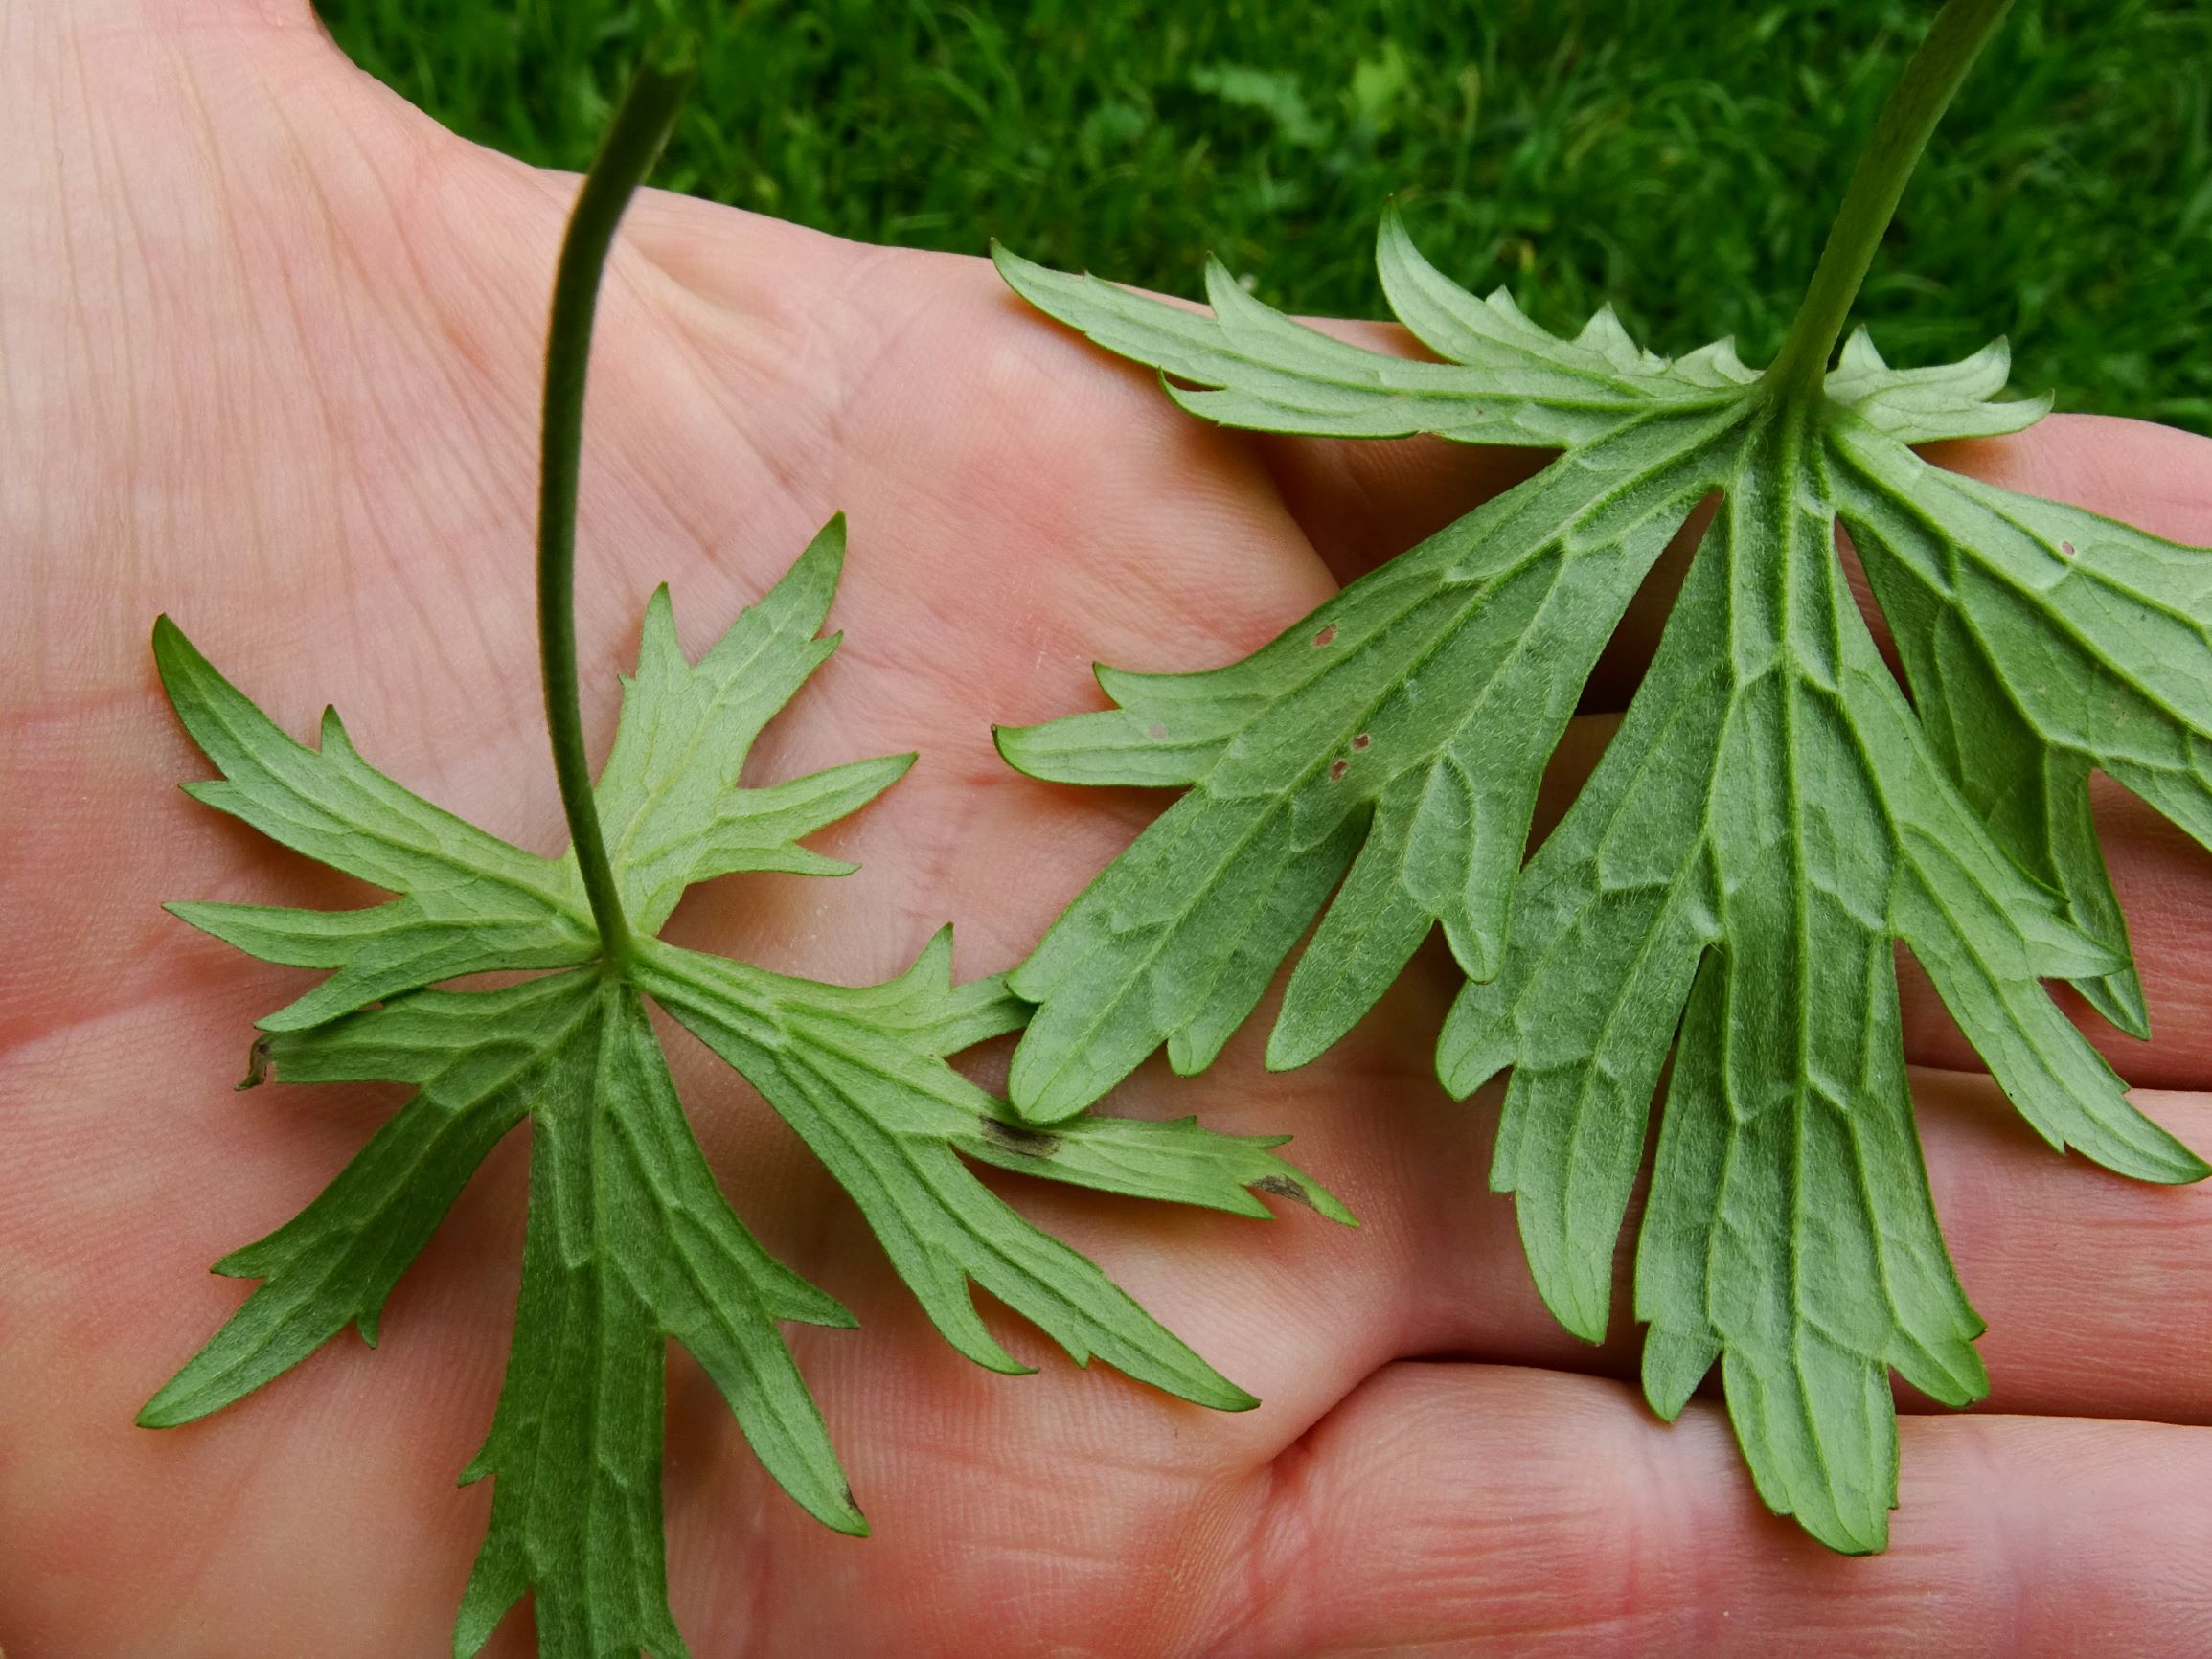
x: 470, y: 902
x: 1770, y: 820
x: 1921, y: 405
x: 1399, y: 734
x: 668, y: 800
x: 2021, y: 714
x: 885, y: 1121
x: 1506, y: 380
x: 480, y: 1062
x: 630, y: 1242
x: 387, y: 949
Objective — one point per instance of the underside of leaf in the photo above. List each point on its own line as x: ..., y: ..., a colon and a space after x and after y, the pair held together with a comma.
x: 1771, y: 820
x: 629, y: 1239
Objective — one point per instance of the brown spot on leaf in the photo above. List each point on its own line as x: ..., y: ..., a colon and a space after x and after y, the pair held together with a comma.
x: 259, y: 1064
x: 1327, y: 636
x: 1337, y: 768
x: 1283, y: 1186
x: 2067, y: 547
x: 1020, y: 1137
x: 1362, y: 742
x: 1157, y: 731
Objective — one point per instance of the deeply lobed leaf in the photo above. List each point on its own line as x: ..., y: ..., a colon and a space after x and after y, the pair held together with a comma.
x: 629, y: 1239
x: 1770, y: 820
x: 1397, y: 734
x: 468, y: 902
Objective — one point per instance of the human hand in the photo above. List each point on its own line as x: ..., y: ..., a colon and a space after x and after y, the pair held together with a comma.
x: 271, y: 343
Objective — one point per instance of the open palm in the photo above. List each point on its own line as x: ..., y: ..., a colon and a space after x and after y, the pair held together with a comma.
x: 270, y: 342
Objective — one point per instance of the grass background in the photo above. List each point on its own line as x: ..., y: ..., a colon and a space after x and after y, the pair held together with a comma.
x: 1679, y: 157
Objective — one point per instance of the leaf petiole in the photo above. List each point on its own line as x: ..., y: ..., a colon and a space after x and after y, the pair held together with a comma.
x: 1901, y: 133
x: 626, y: 155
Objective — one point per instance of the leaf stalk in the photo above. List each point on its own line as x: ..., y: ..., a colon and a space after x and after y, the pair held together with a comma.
x: 1901, y: 133
x: 626, y: 157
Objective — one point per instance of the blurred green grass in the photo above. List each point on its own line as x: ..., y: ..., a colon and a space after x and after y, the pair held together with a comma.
x: 1679, y: 157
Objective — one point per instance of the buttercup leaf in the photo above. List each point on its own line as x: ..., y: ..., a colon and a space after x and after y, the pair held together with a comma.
x: 629, y: 1239
x: 1773, y: 817
x: 630, y: 1242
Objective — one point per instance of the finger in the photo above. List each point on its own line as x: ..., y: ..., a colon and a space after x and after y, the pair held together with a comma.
x: 2163, y: 881
x: 1361, y: 503
x: 1481, y: 1511
x: 2079, y: 1273
x: 2160, y: 481
x: 2154, y: 477
x: 2076, y: 1270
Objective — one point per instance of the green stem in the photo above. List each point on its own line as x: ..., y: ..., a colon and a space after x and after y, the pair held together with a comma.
x: 1901, y: 133
x: 626, y: 155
